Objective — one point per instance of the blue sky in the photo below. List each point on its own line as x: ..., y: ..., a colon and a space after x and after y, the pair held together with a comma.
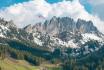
x: 6, y: 3
x: 53, y: 1
x: 87, y: 5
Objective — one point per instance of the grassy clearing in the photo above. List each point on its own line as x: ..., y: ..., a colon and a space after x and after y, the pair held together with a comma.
x: 7, y: 64
x: 11, y: 64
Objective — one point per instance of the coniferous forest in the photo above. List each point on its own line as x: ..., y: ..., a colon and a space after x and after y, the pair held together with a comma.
x: 35, y: 56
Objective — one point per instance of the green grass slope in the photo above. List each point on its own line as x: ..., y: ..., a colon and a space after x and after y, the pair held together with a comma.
x: 12, y: 64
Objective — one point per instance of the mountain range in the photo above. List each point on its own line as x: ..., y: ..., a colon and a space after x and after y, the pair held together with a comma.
x: 75, y: 39
x: 58, y: 32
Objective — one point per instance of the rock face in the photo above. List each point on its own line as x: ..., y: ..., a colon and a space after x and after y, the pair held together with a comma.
x: 64, y: 28
x: 7, y: 23
x: 56, y: 32
x: 86, y: 27
x: 9, y: 30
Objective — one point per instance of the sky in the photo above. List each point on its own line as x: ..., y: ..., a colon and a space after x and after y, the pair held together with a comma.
x: 88, y: 6
x: 24, y: 12
x: 6, y: 3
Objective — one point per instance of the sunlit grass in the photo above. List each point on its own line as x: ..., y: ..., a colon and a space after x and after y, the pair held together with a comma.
x: 11, y: 64
x: 7, y: 64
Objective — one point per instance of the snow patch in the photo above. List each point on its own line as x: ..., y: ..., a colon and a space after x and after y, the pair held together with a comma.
x: 1, y: 35
x: 37, y: 41
x: 58, y: 41
x: 72, y: 44
x: 88, y: 36
x: 3, y: 30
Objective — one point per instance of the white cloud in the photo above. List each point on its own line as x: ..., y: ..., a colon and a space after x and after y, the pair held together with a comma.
x: 98, y: 8
x: 27, y: 12
x: 38, y: 10
x: 96, y: 2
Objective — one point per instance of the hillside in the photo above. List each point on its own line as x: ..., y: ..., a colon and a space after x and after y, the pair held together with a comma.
x: 79, y: 45
x: 12, y: 64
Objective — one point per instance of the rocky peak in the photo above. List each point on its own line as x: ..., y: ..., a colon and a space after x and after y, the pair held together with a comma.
x: 38, y: 27
x: 58, y: 31
x: 7, y: 23
x: 66, y: 24
x: 28, y: 28
x: 86, y: 26
x: 63, y: 28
